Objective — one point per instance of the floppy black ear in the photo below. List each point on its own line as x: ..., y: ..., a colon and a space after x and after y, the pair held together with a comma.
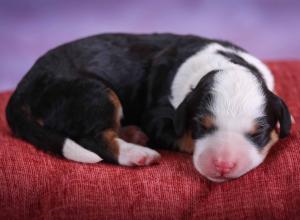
x: 201, y: 93
x: 283, y: 116
x: 181, y: 115
x: 284, y: 120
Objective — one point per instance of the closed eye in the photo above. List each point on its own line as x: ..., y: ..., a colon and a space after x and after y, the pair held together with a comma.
x: 253, y: 135
x: 256, y: 131
x: 207, y: 128
x: 259, y: 134
x: 259, y: 127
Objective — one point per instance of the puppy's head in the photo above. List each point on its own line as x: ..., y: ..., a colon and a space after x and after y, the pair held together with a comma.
x: 233, y: 121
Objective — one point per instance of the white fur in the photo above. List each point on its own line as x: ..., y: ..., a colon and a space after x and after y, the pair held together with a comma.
x: 263, y: 69
x: 238, y: 100
x: 206, y: 60
x: 73, y: 151
x: 193, y: 69
x: 132, y: 154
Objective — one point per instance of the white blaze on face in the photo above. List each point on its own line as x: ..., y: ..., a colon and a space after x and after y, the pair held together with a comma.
x: 237, y: 101
x: 206, y: 60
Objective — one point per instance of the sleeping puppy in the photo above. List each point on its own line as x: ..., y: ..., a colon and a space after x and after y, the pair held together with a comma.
x: 206, y: 97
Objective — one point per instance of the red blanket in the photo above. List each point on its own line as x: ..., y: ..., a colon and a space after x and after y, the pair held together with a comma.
x: 35, y: 185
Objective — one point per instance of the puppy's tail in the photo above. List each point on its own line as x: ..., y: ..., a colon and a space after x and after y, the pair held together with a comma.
x: 25, y: 126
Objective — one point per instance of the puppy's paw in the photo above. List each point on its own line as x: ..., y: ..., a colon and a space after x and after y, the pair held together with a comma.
x: 135, y: 155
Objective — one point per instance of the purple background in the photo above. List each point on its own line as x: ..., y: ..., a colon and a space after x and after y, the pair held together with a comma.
x: 28, y: 28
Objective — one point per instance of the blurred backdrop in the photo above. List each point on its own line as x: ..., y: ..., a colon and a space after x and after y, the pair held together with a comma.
x: 28, y: 28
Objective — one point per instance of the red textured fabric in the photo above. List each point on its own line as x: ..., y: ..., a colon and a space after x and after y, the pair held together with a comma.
x: 36, y: 185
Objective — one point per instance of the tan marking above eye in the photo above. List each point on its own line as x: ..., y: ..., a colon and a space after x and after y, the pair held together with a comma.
x: 207, y: 121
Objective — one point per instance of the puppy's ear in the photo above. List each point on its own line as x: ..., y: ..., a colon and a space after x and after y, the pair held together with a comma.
x: 181, y: 115
x: 282, y: 115
x: 197, y: 95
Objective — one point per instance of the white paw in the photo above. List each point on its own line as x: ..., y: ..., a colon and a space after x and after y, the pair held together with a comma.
x: 73, y: 151
x: 136, y: 155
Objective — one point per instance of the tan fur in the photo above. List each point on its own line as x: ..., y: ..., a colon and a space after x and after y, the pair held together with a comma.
x: 208, y: 121
x: 273, y: 140
x: 109, y: 137
x: 116, y: 102
x: 186, y: 143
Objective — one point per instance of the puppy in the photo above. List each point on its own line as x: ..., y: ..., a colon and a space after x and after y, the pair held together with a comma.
x: 206, y: 97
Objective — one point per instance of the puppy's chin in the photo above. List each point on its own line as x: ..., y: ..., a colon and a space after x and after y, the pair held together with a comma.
x: 235, y: 161
x: 218, y: 180
x: 225, y: 178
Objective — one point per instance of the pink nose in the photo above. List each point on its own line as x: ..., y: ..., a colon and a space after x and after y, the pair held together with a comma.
x: 224, y: 167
